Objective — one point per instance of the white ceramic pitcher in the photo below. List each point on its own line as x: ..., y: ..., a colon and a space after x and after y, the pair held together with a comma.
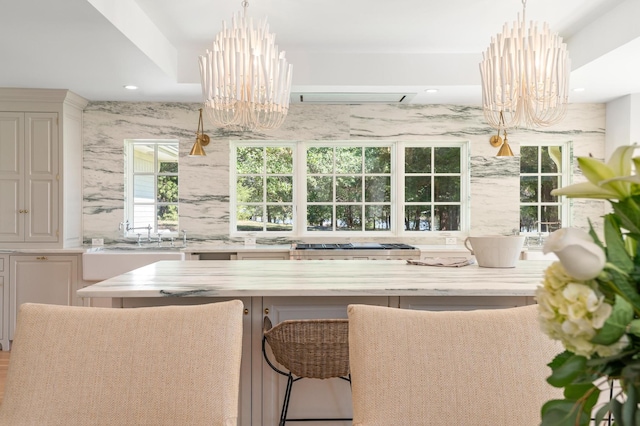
x: 495, y: 251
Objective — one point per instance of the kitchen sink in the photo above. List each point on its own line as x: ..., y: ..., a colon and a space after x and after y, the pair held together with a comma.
x: 98, y: 265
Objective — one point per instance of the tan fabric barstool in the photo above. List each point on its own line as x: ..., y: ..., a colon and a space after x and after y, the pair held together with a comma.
x: 464, y: 368
x: 172, y: 365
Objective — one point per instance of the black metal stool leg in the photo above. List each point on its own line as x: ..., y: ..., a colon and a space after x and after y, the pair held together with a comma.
x: 285, y: 403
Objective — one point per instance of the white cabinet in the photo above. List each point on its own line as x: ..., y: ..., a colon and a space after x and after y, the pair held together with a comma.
x: 4, y: 301
x: 40, y: 168
x: 28, y: 177
x: 51, y: 279
x: 330, y: 398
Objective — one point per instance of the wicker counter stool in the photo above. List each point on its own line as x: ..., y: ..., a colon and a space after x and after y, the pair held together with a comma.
x: 308, y: 349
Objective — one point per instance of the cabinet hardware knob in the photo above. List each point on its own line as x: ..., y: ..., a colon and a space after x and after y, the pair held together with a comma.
x: 246, y: 311
x: 26, y: 211
x: 20, y: 211
x: 41, y: 258
x: 266, y: 311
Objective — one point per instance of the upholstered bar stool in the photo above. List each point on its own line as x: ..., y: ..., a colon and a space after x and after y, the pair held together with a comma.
x: 161, y: 366
x: 480, y: 368
x: 308, y: 349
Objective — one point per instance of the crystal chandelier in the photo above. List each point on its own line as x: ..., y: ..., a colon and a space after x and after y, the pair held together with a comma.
x: 525, y: 76
x: 246, y: 81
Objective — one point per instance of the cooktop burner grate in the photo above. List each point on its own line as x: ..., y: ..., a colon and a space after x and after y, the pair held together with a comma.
x: 355, y: 246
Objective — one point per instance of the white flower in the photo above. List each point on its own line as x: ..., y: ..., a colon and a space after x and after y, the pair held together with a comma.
x: 573, y: 311
x: 614, y: 348
x: 581, y: 257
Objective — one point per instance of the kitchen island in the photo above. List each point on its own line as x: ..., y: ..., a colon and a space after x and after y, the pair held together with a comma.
x: 259, y: 278
x: 298, y: 289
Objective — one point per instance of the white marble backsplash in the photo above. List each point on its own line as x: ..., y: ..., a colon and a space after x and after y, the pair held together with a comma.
x: 204, y: 181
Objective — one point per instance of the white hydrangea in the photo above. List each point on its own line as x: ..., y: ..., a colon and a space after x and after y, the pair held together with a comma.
x: 572, y: 311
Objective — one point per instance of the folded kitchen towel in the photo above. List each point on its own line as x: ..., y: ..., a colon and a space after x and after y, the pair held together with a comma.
x: 452, y: 262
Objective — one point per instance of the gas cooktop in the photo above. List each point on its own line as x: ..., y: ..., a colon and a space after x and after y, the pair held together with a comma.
x: 354, y: 246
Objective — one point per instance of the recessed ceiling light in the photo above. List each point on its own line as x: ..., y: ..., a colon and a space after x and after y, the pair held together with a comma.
x: 431, y: 90
x: 130, y: 87
x: 579, y: 89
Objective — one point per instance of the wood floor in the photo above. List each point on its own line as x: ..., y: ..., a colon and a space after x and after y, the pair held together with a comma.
x: 4, y: 364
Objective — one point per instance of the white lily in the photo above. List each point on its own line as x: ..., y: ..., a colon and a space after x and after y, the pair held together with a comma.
x: 610, y: 181
x: 580, y: 256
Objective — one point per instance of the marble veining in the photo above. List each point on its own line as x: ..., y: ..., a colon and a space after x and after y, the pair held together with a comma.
x: 204, y: 181
x: 222, y: 278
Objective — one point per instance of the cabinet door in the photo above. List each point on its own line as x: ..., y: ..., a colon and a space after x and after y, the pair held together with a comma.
x: 42, y: 279
x: 12, y: 176
x: 41, y: 177
x: 310, y: 398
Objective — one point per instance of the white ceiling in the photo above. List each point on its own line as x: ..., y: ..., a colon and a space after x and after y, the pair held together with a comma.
x: 95, y: 47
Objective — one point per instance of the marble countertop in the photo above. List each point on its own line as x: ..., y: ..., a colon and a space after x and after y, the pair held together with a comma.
x: 240, y: 248
x: 214, y: 248
x: 36, y: 250
x: 222, y: 278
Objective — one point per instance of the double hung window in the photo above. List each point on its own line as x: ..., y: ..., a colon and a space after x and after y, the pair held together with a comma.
x: 151, y: 184
x: 264, y: 187
x: 543, y: 168
x: 433, y: 188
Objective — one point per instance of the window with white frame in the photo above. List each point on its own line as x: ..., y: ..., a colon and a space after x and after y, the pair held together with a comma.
x: 543, y: 168
x: 433, y: 188
x: 320, y: 188
x: 151, y: 185
x: 348, y: 188
x: 264, y: 187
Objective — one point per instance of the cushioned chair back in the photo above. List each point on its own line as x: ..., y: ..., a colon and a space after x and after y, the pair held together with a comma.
x: 465, y: 368
x: 173, y: 365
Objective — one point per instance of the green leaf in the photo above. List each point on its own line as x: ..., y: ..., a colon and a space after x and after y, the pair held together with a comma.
x: 624, y: 287
x: 634, y: 327
x: 560, y: 412
x: 616, y: 252
x: 602, y: 413
x: 560, y: 359
x: 616, y: 325
x: 563, y: 374
x: 631, y: 246
x: 616, y: 409
x: 587, y: 392
x: 592, y: 233
x: 628, y: 212
x: 630, y: 406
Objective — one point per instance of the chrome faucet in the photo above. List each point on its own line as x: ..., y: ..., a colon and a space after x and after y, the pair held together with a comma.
x: 184, y: 237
